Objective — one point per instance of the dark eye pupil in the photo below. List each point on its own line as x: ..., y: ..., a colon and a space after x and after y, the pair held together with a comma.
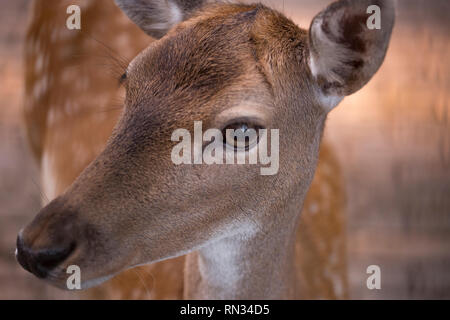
x: 122, y: 78
x: 241, y: 138
x: 240, y: 132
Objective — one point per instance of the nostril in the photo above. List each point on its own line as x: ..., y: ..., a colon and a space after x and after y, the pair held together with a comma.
x: 40, y: 262
x: 50, y: 258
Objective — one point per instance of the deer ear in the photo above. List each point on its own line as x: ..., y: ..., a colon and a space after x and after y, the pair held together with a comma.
x: 347, y: 45
x: 156, y: 17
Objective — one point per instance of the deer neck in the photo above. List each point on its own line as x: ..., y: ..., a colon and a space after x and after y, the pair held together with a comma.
x: 257, y: 265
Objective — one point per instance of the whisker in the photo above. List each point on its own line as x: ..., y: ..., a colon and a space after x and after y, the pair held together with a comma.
x: 110, y: 59
x: 147, y: 289
x: 120, y: 63
x: 43, y: 196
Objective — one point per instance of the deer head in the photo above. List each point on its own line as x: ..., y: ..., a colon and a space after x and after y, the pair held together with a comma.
x: 228, y: 66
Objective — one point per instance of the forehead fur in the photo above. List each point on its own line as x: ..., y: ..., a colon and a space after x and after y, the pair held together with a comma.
x: 180, y: 76
x: 213, y: 49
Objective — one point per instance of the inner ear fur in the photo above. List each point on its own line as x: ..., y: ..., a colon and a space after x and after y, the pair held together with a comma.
x: 156, y: 17
x: 344, y: 53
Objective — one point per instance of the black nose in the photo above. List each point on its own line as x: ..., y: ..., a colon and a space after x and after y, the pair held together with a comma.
x: 41, y: 261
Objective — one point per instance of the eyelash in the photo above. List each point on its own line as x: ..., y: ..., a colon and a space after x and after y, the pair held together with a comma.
x: 249, y: 125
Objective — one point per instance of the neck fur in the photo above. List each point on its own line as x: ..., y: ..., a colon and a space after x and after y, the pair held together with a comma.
x: 259, y: 265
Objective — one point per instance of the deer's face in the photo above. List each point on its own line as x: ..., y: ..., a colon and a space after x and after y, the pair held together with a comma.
x: 230, y: 67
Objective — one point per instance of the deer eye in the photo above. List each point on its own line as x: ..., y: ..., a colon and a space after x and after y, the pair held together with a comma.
x: 122, y: 78
x: 241, y: 136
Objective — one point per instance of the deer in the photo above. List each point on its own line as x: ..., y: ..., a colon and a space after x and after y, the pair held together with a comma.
x: 117, y: 203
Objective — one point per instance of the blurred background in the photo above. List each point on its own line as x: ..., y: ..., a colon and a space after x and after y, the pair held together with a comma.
x: 392, y: 140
